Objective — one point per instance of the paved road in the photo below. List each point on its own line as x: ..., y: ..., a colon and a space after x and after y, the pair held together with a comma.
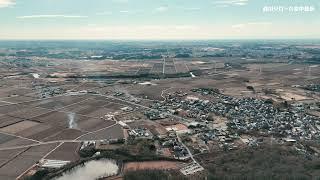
x: 142, y: 106
x: 178, y: 117
x: 57, y: 141
x: 163, y: 91
x: 191, y: 155
x: 76, y: 140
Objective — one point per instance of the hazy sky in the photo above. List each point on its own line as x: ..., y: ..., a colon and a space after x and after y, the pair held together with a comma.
x: 156, y: 19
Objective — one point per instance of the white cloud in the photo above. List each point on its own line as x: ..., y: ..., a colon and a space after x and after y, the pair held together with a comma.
x: 130, y: 12
x: 162, y: 9
x: 51, y: 16
x: 226, y: 3
x: 6, y: 3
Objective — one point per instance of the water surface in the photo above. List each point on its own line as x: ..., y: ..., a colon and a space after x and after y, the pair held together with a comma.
x: 91, y: 170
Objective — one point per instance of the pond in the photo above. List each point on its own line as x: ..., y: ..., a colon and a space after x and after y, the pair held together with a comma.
x: 91, y: 170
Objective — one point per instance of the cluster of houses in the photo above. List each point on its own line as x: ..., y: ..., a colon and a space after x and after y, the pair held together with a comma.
x: 48, y: 91
x: 169, y: 142
x: 153, y: 114
x: 140, y: 133
x: 312, y: 87
x: 172, y: 142
x: 243, y: 116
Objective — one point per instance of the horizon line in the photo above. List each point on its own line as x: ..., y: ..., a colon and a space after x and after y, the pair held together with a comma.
x: 178, y: 39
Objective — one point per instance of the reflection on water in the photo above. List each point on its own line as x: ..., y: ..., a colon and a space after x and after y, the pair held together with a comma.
x: 91, y: 170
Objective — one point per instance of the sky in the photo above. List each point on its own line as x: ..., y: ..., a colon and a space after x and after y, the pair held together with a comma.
x: 159, y: 19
